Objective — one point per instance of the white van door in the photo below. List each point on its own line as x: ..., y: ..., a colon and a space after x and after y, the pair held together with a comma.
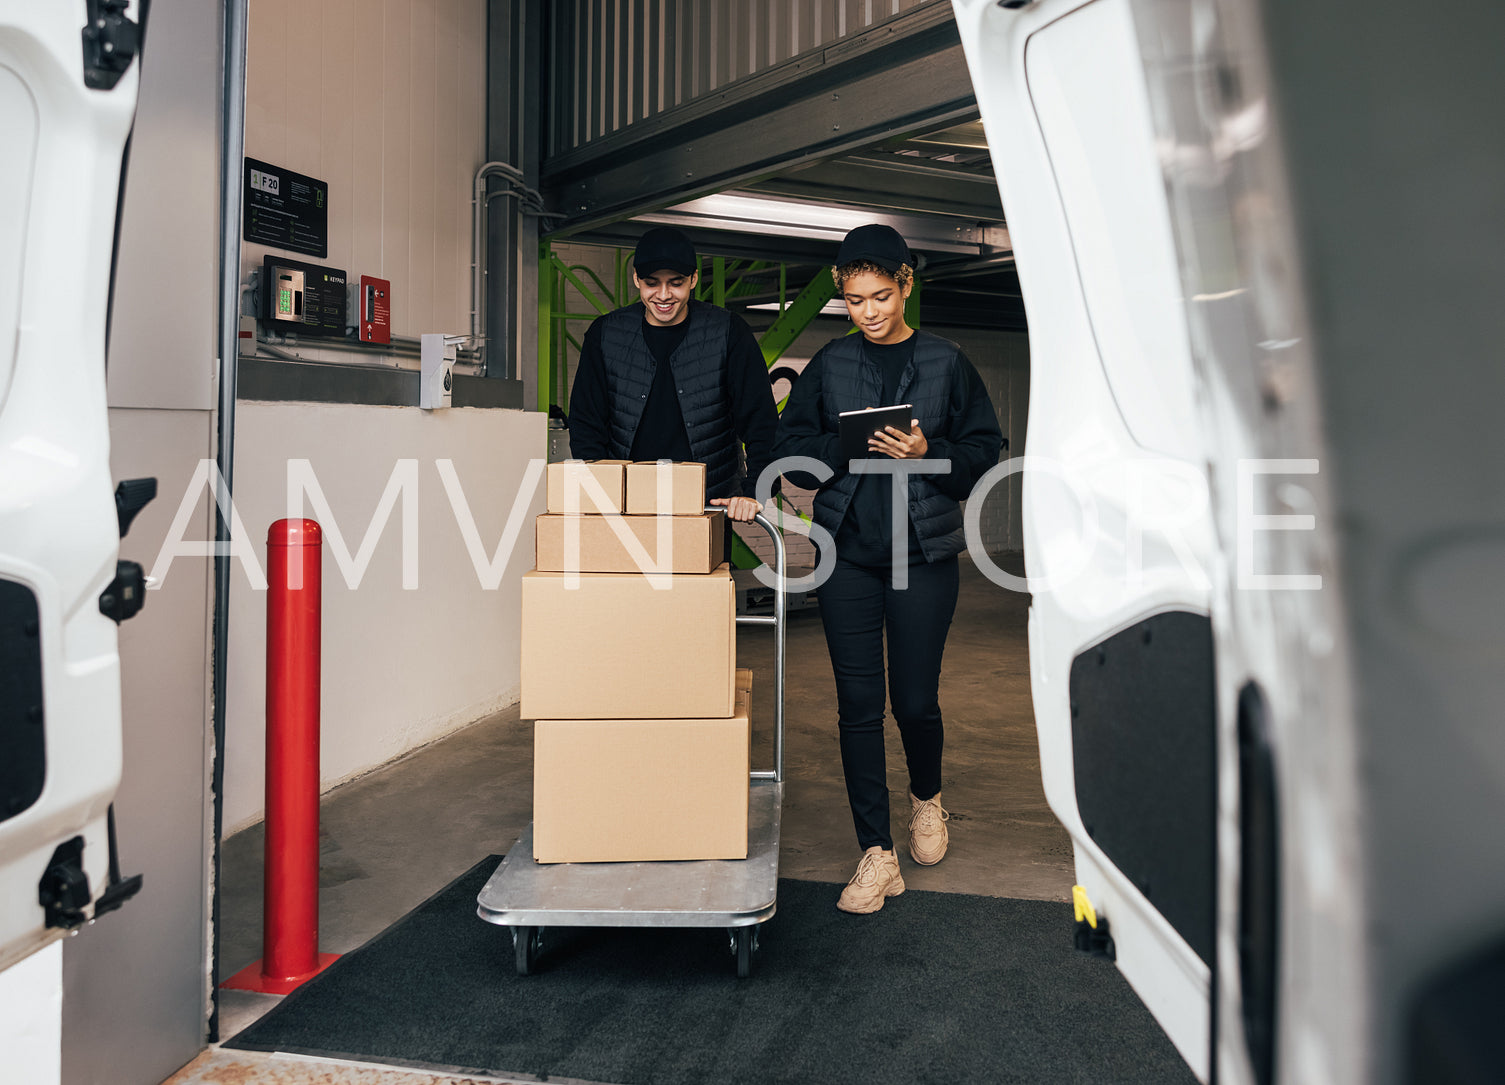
x: 1121, y: 544
x: 1188, y: 674
x: 68, y: 82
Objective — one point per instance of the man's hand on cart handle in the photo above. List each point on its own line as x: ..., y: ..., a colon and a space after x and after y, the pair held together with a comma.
x: 739, y: 508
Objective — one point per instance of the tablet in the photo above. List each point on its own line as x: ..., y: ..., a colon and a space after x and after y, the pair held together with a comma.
x: 857, y: 426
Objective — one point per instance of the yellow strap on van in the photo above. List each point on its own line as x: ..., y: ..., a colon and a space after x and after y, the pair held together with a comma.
x: 1083, y: 906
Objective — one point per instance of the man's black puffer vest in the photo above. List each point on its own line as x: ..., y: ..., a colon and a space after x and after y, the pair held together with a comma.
x: 850, y: 382
x: 699, y: 366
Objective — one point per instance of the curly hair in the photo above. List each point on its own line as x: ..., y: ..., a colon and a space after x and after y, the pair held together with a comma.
x: 904, y: 276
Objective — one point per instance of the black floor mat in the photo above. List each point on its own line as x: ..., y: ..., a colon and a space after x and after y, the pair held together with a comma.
x: 936, y: 988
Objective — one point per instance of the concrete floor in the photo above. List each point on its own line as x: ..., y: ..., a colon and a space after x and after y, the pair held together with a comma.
x: 398, y: 835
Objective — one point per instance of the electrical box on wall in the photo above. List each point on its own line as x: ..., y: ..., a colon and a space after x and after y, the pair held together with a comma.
x: 304, y: 299
x: 374, y: 310
x: 436, y: 374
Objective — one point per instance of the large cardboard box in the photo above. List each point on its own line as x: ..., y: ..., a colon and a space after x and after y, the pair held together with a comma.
x: 683, y: 488
x: 695, y: 544
x: 616, y: 647
x: 579, y: 480
x: 617, y: 791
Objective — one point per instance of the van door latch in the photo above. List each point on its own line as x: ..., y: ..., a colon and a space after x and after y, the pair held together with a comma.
x: 63, y: 891
x: 123, y: 598
x: 111, y: 42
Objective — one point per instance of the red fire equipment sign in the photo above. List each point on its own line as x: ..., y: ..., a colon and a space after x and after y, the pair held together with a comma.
x: 375, y: 311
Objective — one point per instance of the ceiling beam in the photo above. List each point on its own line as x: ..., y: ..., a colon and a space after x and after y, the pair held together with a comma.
x: 894, y: 182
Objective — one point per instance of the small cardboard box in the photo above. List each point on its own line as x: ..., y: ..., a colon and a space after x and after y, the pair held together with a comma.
x: 618, y: 791
x: 579, y: 479
x: 744, y: 679
x: 617, y: 647
x: 683, y: 488
x: 694, y: 544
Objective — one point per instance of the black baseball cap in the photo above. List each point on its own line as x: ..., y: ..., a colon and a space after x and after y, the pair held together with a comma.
x: 664, y: 247
x: 876, y: 243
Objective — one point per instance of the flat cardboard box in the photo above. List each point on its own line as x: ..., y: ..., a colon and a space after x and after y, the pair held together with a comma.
x: 744, y: 679
x: 695, y: 544
x: 616, y: 647
x: 578, y: 479
x: 618, y: 791
x: 683, y: 488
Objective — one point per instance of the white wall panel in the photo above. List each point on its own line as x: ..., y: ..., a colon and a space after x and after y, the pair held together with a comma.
x: 31, y: 1003
x: 400, y: 667
x: 397, y: 131
x: 446, y: 280
x: 384, y: 100
x: 421, y: 183
x: 335, y: 109
x: 266, y: 71
x: 368, y: 101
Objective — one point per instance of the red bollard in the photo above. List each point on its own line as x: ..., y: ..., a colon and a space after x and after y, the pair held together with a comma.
x: 290, y: 938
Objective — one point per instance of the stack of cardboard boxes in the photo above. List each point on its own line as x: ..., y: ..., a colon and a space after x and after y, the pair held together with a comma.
x: 641, y: 736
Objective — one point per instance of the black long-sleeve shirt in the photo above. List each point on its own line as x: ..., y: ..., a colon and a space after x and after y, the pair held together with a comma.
x: 661, y: 432
x: 972, y: 445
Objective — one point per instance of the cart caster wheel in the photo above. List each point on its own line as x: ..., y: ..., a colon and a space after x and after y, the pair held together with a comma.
x: 746, y: 941
x: 525, y: 946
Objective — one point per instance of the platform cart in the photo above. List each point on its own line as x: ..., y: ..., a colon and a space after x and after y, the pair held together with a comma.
x: 736, y: 894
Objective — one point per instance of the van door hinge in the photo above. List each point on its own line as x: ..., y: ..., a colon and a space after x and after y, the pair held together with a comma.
x: 131, y: 496
x: 127, y: 592
x: 111, y: 42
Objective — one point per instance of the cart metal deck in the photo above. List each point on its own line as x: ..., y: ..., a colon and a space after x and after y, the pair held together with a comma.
x: 738, y: 895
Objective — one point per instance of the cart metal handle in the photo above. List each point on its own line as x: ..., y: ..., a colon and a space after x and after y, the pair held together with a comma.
x: 780, y: 611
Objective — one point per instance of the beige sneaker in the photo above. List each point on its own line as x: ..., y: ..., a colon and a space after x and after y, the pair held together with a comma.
x: 927, y: 830
x: 877, y: 878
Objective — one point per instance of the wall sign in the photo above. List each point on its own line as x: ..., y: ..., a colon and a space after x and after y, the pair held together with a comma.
x: 285, y: 210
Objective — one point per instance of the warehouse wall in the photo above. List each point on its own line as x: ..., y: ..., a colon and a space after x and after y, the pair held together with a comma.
x: 400, y: 667
x: 386, y: 103
x: 1002, y: 360
x: 31, y: 1024
x: 618, y: 62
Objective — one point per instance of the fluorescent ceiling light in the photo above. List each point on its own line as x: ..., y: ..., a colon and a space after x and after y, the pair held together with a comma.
x: 742, y: 213
x: 831, y: 308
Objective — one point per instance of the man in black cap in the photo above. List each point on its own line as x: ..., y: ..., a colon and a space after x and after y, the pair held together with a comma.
x: 669, y: 377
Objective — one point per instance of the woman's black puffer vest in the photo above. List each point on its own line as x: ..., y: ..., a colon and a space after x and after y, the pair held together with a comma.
x: 850, y: 382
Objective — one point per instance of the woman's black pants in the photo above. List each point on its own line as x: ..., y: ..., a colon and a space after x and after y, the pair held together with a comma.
x: 858, y: 604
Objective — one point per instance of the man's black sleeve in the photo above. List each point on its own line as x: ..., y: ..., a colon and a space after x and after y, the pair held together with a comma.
x: 974, y: 439
x: 801, y: 432
x: 754, y: 415
x: 590, y: 408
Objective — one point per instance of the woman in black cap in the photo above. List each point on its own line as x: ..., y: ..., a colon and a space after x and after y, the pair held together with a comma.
x: 904, y: 585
